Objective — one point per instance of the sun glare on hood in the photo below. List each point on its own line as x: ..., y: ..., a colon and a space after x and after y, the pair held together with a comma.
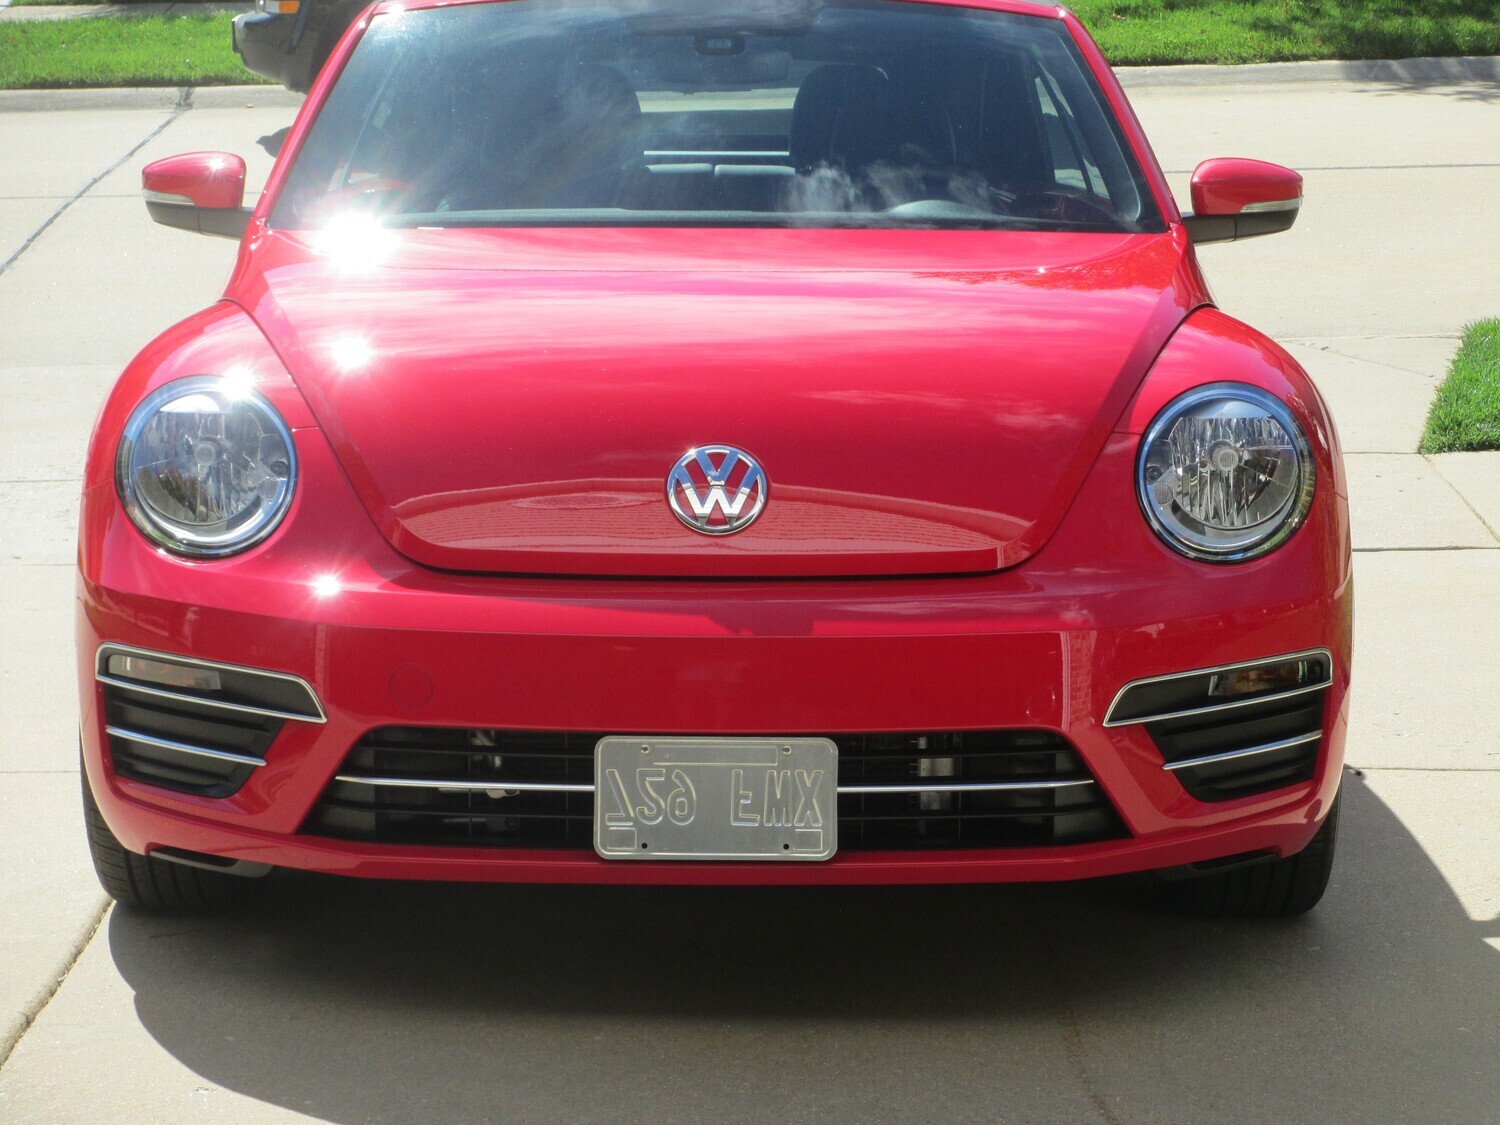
x: 355, y: 244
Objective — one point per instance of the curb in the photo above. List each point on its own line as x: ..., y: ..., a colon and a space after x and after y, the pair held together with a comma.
x: 149, y: 97
x: 1410, y: 73
x: 1461, y: 71
x: 16, y: 1024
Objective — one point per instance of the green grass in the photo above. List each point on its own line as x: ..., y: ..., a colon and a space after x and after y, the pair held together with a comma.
x: 1466, y: 413
x: 194, y: 50
x: 1245, y: 31
x: 146, y: 51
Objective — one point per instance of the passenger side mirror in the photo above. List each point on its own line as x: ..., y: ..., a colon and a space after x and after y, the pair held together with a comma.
x: 199, y: 191
x: 1235, y: 198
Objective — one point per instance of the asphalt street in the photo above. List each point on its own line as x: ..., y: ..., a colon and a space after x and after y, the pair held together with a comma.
x: 353, y: 1002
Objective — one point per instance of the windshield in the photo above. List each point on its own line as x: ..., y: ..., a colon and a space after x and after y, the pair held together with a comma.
x: 869, y: 113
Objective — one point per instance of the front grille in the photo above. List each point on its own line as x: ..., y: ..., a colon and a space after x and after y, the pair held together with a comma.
x: 391, y: 789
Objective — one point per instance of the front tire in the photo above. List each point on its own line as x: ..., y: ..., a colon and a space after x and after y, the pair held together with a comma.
x: 146, y: 884
x: 1282, y: 888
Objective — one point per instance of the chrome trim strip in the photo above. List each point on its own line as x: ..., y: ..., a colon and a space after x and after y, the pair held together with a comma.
x: 1230, y: 706
x: 571, y: 787
x: 713, y: 152
x: 183, y: 747
x: 1229, y: 756
x: 1272, y: 205
x: 965, y: 787
x: 167, y: 197
x: 129, y: 650
x: 243, y: 708
x: 476, y: 786
x: 1110, y: 721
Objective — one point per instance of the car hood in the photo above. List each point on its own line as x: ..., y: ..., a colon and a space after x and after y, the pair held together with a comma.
x: 922, y: 402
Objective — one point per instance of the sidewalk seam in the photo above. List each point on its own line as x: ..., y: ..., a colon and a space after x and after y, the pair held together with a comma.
x: 184, y: 103
x: 1361, y: 359
x: 1312, y: 340
x: 1483, y: 522
x: 1409, y: 550
x: 41, y: 998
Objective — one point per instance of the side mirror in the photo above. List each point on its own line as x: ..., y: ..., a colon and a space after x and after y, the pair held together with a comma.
x: 1235, y: 199
x: 200, y: 191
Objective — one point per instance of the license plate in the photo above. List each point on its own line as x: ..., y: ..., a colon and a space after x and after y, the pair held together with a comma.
x: 716, y: 798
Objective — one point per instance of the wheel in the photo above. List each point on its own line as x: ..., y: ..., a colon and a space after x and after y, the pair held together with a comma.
x: 147, y: 884
x: 1281, y: 888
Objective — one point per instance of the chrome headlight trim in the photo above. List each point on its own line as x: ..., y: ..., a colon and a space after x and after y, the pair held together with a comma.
x: 158, y: 527
x: 1292, y: 513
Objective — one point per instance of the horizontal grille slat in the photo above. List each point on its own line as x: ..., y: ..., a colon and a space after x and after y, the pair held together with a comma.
x: 486, y: 760
x: 441, y: 814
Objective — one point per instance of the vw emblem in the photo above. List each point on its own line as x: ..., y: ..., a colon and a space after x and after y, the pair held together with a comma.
x: 717, y: 489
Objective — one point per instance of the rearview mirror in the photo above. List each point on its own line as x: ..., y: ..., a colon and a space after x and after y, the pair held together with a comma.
x: 199, y: 191
x: 1235, y: 198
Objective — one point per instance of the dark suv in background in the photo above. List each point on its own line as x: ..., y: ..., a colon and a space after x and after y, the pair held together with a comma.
x: 290, y: 40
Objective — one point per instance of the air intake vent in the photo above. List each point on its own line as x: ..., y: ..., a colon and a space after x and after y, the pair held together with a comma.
x: 184, y: 746
x: 489, y: 788
x: 191, y: 725
x: 1235, y: 731
x: 906, y: 792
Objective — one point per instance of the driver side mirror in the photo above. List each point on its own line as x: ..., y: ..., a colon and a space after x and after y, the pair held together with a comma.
x: 1235, y: 198
x: 200, y: 191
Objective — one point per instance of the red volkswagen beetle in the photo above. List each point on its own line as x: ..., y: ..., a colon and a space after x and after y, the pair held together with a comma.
x: 776, y: 442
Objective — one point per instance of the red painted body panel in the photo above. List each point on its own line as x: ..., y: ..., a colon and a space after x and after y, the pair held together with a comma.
x: 1227, y: 185
x: 215, y: 180
x: 1039, y: 359
x: 546, y: 382
x: 1046, y: 644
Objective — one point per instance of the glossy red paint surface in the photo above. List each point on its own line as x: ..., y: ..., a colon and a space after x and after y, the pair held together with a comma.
x: 1227, y: 185
x: 950, y: 421
x: 538, y: 420
x: 215, y: 180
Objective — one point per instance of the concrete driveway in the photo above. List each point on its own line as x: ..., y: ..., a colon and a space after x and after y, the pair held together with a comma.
x: 359, y: 1002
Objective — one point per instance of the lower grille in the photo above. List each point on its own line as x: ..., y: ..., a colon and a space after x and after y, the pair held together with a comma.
x: 1235, y: 730
x: 521, y: 789
x: 1246, y: 751
x: 1067, y: 807
x: 192, y: 725
x: 181, y: 745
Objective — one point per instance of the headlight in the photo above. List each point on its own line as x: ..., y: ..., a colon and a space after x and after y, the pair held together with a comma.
x: 1225, y: 473
x: 206, y: 467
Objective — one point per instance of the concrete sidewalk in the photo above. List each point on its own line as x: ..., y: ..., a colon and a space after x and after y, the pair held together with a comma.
x: 353, y: 1003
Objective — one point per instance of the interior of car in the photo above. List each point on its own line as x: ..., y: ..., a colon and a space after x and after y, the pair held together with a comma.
x: 870, y: 112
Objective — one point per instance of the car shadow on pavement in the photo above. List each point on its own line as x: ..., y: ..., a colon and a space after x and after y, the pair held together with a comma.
x: 358, y: 1001
x: 1485, y: 93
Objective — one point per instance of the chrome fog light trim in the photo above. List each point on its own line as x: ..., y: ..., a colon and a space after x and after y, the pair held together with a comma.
x: 112, y: 666
x: 1319, y: 680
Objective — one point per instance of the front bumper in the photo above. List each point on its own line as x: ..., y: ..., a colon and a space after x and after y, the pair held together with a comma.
x: 1045, y: 646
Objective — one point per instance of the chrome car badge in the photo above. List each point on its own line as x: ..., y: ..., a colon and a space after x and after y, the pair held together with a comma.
x: 717, y: 489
